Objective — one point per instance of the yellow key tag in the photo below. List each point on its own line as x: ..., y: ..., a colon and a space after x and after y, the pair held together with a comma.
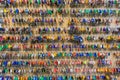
x: 55, y: 54
x: 4, y: 10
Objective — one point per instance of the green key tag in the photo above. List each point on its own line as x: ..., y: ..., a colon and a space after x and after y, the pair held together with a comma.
x: 92, y: 46
x: 115, y: 1
x: 29, y: 78
x: 30, y: 1
x: 53, y: 1
x: 80, y: 11
x: 93, y: 77
x: 85, y: 11
x: 114, y: 12
x: 90, y: 54
x: 6, y: 70
x: 41, y: 78
x: 108, y: 11
x: 39, y: 2
x: 88, y: 38
x: 5, y: 46
x: 1, y: 48
x: 16, y: 78
x: 59, y: 54
x: 118, y: 46
x: 49, y: 12
x: 46, y: 46
x: 59, y: 10
x: 96, y: 11
x: 29, y: 56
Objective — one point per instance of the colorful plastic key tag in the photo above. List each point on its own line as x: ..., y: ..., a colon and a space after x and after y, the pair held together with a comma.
x: 16, y: 78
x: 8, y: 2
x: 30, y: 1
x: 94, y: 77
x: 39, y: 2
x: 16, y: 11
x: 25, y: 1
x: 53, y: 1
x: 29, y: 78
x: 35, y: 78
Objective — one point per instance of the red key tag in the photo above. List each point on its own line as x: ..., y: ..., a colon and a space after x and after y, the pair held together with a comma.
x: 25, y: 1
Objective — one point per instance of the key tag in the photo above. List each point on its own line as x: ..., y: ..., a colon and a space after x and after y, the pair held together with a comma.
x: 86, y: 12
x: 49, y: 12
x: 63, y: 54
x: 42, y: 78
x: 26, y: 11
x: 13, y: 20
x: 68, y: 54
x: 35, y: 78
x: 118, y: 46
x: 109, y: 12
x: 15, y: 78
x: 8, y: 78
x: 92, y: 46
x: 5, y: 70
x: 1, y: 77
x: 84, y: 21
x: 88, y: 77
x: 90, y: 54
x: 102, y: 77
x: 82, y: 54
x: 96, y: 11
x: 87, y: 55
x: 55, y: 70
x: 25, y: 1
x: 5, y: 63
x: 29, y: 78
x: 105, y: 12
x: 51, y: 21
x: 112, y: 12
x: 89, y: 38
x: 94, y: 77
x: 115, y: 2
x: 5, y: 11
x: 45, y: 78
x: 16, y: 11
x: 85, y: 62
x: 12, y: 2
x: 77, y: 55
x: 38, y: 2
x: 100, y: 12
x: 53, y: 2
x: 9, y: 64
x: 92, y: 21
x: 30, y: 2
x: 46, y: 29
x: 83, y: 77
x: 8, y: 2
